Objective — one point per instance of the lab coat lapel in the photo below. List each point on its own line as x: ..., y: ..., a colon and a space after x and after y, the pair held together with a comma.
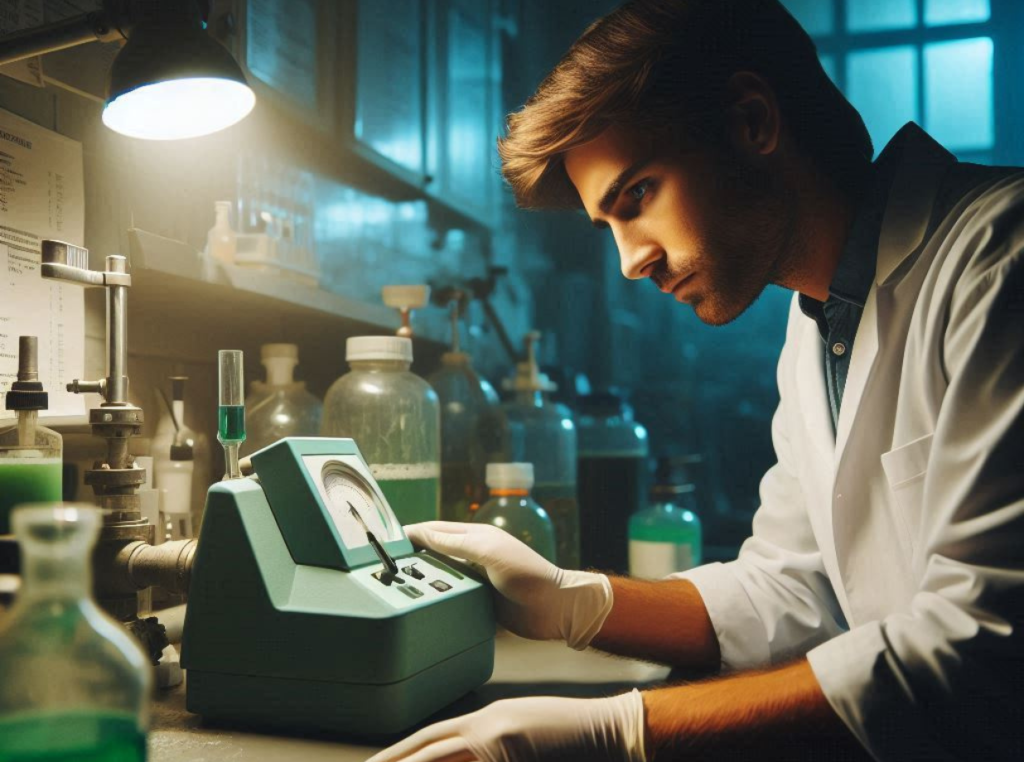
x: 908, y: 212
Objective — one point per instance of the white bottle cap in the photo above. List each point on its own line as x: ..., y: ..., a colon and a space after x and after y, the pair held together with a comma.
x: 290, y: 351
x: 378, y: 348
x: 510, y: 475
x: 413, y: 297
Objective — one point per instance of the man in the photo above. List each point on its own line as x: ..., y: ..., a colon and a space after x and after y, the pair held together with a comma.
x: 877, y: 607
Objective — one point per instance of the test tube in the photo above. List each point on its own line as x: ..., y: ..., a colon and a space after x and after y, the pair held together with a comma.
x: 231, y: 409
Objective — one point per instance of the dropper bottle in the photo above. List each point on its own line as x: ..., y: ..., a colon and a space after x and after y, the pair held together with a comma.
x: 231, y: 409
x: 30, y: 454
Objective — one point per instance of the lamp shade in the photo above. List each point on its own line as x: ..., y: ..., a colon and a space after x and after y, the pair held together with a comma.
x: 172, y: 82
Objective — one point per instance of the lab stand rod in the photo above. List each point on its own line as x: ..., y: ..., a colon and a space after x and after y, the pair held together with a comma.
x: 69, y: 33
x: 117, y: 383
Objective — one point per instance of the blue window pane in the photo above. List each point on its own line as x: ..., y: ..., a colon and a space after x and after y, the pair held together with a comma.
x: 828, y: 63
x: 815, y: 16
x: 958, y: 93
x: 875, y: 15
x: 940, y: 12
x: 882, y: 85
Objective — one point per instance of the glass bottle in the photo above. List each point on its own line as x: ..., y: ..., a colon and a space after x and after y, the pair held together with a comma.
x: 611, y: 479
x: 281, y: 407
x: 511, y: 508
x: 394, y: 417
x: 173, y: 451
x: 30, y: 454
x: 74, y: 684
x: 221, y: 240
x: 542, y: 432
x: 665, y: 537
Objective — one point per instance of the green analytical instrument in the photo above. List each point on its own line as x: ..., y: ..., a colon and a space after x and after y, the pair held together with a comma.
x: 309, y: 608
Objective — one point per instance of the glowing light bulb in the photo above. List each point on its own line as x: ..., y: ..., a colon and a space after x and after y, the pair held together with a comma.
x: 179, y: 108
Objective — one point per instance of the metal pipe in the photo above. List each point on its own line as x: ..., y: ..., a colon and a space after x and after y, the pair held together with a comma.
x: 69, y: 33
x: 117, y: 383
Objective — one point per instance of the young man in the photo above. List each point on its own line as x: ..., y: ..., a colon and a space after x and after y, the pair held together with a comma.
x: 878, y: 607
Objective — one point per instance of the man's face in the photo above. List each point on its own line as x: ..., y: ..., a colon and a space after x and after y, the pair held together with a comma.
x: 701, y: 224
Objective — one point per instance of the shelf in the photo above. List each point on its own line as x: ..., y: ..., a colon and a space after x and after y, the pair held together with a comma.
x: 179, y: 306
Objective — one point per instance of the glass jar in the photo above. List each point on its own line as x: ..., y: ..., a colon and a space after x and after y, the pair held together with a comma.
x: 74, y: 684
x: 473, y: 432
x: 394, y: 417
x: 281, y: 407
x: 665, y: 537
x: 611, y: 479
x: 511, y: 508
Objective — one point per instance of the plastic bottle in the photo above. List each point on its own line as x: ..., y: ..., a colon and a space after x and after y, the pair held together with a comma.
x: 611, y: 479
x: 30, y: 454
x: 665, y: 537
x: 394, y: 418
x: 173, y: 451
x: 542, y: 432
x: 74, y: 684
x: 221, y: 241
x: 473, y: 430
x: 281, y: 407
x: 511, y: 508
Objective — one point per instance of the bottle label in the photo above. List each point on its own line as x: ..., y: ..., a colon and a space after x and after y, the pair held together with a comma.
x: 655, y: 560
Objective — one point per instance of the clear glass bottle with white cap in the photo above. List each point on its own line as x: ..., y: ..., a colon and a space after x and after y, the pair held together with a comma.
x: 511, y: 508
x: 542, y: 432
x: 221, y: 240
x: 74, y: 684
x: 281, y: 407
x: 394, y: 417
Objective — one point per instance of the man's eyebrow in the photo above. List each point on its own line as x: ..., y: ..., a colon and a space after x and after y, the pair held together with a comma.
x: 608, y: 199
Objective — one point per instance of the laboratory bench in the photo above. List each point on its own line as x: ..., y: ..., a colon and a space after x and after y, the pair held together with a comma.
x: 521, y: 668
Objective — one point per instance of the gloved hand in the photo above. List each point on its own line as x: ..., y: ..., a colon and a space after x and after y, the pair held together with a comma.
x: 536, y: 599
x: 527, y: 729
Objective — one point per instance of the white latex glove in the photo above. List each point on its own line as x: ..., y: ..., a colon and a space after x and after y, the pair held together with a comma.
x: 536, y: 599
x: 529, y: 729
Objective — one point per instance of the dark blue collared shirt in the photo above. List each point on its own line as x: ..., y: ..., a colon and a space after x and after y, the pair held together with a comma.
x: 839, y: 316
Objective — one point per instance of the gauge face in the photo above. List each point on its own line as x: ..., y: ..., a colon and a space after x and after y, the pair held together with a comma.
x: 346, y: 488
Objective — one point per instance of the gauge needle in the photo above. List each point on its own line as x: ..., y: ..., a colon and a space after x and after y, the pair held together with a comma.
x: 387, y: 560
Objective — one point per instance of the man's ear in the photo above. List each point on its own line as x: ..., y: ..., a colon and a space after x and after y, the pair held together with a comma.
x: 754, y: 121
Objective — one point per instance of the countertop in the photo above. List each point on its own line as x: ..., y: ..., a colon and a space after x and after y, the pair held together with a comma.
x: 522, y: 668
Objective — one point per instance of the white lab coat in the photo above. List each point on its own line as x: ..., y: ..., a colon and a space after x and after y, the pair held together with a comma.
x: 891, y: 553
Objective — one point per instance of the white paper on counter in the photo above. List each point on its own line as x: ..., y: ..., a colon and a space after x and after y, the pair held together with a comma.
x: 41, y: 196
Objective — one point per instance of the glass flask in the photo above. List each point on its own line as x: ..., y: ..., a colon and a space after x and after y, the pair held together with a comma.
x: 394, y: 417
x: 281, y: 407
x: 611, y: 479
x: 542, y: 432
x: 30, y: 454
x: 511, y: 508
x: 74, y: 684
x: 473, y: 432
x: 666, y: 536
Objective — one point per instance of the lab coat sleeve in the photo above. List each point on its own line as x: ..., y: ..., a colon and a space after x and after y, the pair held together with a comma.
x: 775, y: 601
x: 944, y: 679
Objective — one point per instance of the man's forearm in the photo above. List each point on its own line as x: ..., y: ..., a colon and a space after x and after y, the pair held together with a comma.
x: 664, y: 621
x: 778, y: 714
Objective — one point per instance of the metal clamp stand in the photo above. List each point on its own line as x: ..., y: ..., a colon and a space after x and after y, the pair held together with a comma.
x: 125, y: 559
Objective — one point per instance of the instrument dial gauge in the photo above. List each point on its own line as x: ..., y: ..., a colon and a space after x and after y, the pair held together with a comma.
x: 344, y: 488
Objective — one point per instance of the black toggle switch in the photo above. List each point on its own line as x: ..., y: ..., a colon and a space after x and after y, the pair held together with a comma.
x: 413, y: 572
x: 386, y: 578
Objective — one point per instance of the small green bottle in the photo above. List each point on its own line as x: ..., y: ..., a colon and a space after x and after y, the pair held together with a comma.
x: 511, y: 508
x: 74, y: 684
x: 665, y: 537
x: 30, y: 454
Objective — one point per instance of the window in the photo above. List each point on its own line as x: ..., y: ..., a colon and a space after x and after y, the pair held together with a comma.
x: 927, y: 61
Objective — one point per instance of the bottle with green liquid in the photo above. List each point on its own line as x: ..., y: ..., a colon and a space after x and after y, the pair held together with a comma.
x: 30, y: 454
x: 74, y: 684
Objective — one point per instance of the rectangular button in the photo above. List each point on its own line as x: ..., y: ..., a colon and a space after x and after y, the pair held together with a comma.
x: 412, y: 592
x: 441, y: 586
x: 413, y: 572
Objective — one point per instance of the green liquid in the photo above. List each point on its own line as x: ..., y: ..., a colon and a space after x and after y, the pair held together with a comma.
x: 72, y: 737
x: 523, y: 519
x: 559, y: 500
x: 231, y: 423
x: 24, y: 480
x: 412, y: 500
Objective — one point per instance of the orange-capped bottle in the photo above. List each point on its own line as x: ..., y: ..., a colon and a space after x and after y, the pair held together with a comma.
x: 511, y: 508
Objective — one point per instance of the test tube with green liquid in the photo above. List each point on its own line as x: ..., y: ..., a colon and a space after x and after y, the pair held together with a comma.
x: 231, y: 409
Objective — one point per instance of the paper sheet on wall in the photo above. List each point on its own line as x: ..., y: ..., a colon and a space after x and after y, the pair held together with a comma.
x: 41, y: 196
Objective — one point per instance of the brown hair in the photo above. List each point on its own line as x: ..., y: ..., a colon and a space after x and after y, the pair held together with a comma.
x: 661, y: 66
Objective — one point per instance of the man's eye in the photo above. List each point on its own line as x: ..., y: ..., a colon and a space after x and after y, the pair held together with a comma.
x: 638, y: 191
